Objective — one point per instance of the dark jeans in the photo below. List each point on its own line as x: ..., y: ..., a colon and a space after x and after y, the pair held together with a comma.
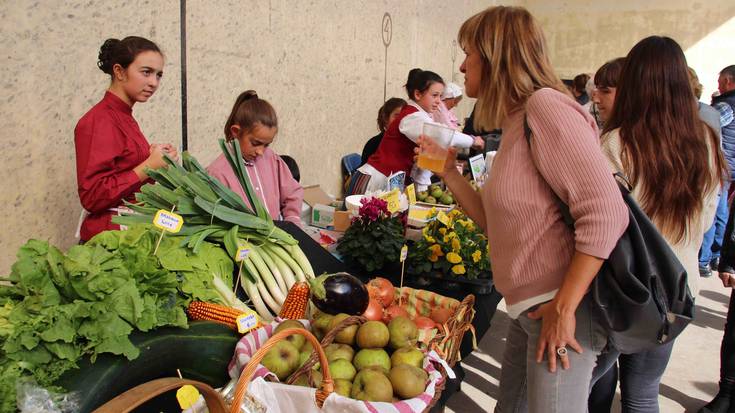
x: 640, y: 375
x: 727, y: 349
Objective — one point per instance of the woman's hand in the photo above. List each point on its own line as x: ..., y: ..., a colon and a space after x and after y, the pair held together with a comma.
x: 171, y: 151
x: 728, y: 279
x: 428, y: 145
x: 557, y: 332
x: 155, y: 158
x: 478, y: 143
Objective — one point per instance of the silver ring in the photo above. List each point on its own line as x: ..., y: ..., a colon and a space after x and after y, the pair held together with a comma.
x: 561, y: 351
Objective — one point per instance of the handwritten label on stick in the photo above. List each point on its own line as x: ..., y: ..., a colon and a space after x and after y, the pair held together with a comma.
x: 168, y: 221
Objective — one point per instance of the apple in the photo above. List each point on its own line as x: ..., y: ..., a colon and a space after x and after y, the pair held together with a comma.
x: 373, y: 334
x: 342, y: 369
x: 320, y: 326
x: 372, y: 385
x: 403, y: 332
x: 336, y: 351
x: 372, y: 357
x: 408, y: 381
x: 296, y: 339
x: 407, y: 355
x: 346, y: 336
x: 342, y: 387
x: 282, y: 359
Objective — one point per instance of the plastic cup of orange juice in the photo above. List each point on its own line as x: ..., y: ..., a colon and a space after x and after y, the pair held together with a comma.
x: 435, y: 157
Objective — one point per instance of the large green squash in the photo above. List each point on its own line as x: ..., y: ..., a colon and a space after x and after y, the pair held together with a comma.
x: 201, y: 352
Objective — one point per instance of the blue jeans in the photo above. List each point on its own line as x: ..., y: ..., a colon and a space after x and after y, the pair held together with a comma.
x: 640, y: 376
x: 712, y: 241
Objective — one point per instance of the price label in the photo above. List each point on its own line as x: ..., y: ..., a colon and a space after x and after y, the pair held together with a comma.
x: 411, y: 194
x: 247, y: 321
x: 187, y: 395
x: 393, y: 199
x: 404, y: 252
x: 242, y: 254
x: 443, y: 218
x: 168, y: 221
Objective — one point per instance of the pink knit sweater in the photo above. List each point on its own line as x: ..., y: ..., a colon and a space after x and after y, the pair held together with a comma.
x: 530, y: 245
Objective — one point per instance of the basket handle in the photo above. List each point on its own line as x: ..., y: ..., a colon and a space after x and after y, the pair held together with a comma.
x: 325, y: 389
x: 128, y: 401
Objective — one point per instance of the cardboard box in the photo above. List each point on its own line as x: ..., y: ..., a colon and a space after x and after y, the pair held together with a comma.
x: 322, y: 216
x: 342, y: 220
x: 314, y: 194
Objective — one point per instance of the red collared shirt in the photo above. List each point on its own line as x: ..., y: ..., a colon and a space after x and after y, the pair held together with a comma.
x: 109, y: 144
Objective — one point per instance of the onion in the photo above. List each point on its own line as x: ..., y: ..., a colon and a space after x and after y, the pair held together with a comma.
x: 393, y: 312
x: 374, y: 310
x: 383, y: 290
x: 440, y: 315
x: 424, y: 322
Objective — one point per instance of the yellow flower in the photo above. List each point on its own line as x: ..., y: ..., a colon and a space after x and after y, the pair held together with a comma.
x: 454, y: 258
x: 449, y: 236
x: 436, y: 252
x: 454, y: 213
x: 443, y: 231
x: 456, y: 245
x: 476, y: 256
x: 458, y: 269
x: 429, y: 238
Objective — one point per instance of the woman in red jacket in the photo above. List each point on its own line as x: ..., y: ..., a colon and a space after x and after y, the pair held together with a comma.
x: 112, y: 153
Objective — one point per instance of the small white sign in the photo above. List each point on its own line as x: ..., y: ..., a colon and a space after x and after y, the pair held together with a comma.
x: 477, y: 166
x: 242, y: 254
x: 168, y: 221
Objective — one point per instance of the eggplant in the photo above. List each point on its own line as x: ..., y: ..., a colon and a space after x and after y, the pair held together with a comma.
x: 339, y: 293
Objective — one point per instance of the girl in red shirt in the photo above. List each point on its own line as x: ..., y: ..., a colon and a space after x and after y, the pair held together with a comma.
x: 112, y: 153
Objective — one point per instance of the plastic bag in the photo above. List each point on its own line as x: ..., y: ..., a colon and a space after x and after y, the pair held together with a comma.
x: 33, y: 398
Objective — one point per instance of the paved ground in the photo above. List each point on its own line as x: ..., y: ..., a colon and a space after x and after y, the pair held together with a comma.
x: 690, y: 380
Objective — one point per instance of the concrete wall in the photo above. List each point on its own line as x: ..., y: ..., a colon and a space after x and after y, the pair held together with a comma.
x: 321, y: 63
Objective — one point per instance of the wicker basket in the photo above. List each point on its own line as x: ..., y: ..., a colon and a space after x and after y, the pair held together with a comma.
x: 446, y: 340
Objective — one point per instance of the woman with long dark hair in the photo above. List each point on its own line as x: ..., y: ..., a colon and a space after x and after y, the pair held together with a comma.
x: 672, y: 159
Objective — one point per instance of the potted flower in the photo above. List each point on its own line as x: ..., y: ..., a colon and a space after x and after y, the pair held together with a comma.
x: 453, y: 247
x: 375, y: 237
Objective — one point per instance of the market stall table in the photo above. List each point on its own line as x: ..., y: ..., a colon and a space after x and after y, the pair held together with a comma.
x: 485, y: 304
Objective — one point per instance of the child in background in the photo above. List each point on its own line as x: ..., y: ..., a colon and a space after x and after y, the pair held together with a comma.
x: 254, y: 124
x: 396, y: 151
x: 451, y: 97
x: 386, y: 114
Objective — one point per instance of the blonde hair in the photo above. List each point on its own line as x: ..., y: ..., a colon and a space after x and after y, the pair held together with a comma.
x: 514, y: 61
x: 694, y: 82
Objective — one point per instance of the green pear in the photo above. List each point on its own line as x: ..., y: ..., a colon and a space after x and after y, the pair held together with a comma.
x: 346, y: 336
x: 403, y: 332
x: 407, y: 355
x: 408, y: 381
x: 372, y: 385
x: 373, y: 334
x: 343, y: 387
x: 372, y: 357
x: 342, y: 369
x: 336, y: 351
x: 282, y: 359
x: 296, y: 339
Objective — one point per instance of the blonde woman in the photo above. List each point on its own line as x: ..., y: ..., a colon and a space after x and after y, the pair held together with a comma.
x: 542, y: 268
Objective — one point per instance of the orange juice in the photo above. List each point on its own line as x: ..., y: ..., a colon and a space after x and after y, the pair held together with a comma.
x: 432, y: 163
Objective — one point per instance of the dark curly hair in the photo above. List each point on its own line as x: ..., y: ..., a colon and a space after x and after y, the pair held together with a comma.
x: 123, y: 52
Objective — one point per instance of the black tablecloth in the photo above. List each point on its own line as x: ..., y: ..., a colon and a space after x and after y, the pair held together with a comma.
x: 485, y: 304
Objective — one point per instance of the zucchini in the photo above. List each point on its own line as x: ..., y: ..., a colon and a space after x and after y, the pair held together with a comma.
x: 202, y: 352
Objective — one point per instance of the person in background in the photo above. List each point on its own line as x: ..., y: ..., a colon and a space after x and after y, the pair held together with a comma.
x: 292, y: 166
x: 451, y: 97
x: 112, y: 154
x: 672, y: 159
x: 709, y: 252
x: 724, y: 102
x: 254, y: 124
x: 605, y: 86
x: 386, y: 114
x: 579, y: 88
x: 541, y: 267
x: 724, y: 401
x: 396, y: 151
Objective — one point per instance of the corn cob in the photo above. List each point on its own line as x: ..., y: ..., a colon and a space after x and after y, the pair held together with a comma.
x: 294, y: 307
x: 199, y: 310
